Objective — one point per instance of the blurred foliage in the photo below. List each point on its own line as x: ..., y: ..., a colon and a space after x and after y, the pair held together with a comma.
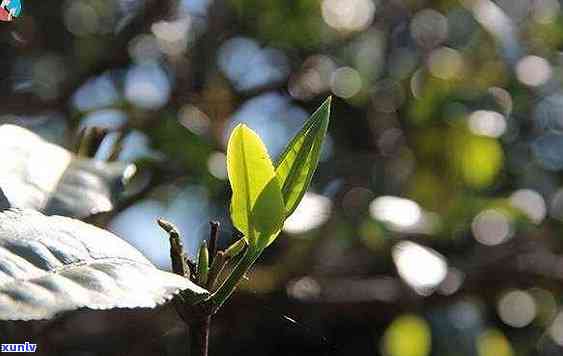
x: 447, y: 131
x: 300, y: 19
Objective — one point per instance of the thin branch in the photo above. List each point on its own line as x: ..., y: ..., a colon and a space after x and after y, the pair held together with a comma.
x: 213, y: 239
x: 177, y: 254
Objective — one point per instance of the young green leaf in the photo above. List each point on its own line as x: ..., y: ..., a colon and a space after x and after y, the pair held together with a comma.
x: 257, y: 208
x: 299, y: 161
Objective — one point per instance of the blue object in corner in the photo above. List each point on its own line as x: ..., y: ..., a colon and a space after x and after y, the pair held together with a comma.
x: 13, y: 6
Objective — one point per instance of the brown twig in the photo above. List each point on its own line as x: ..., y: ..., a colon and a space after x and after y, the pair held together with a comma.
x: 177, y: 254
x: 213, y: 238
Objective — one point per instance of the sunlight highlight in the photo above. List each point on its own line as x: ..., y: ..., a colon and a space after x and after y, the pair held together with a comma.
x: 517, y: 308
x: 400, y: 212
x: 491, y: 227
x: 487, y: 123
x: 312, y: 212
x: 530, y: 203
x: 420, y: 267
x: 350, y: 15
x: 533, y: 71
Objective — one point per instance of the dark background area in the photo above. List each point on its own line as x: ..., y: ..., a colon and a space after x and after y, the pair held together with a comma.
x: 433, y: 224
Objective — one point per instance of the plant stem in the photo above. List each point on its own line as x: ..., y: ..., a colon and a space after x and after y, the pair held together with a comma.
x: 199, y: 336
x: 223, y: 293
x: 213, y: 239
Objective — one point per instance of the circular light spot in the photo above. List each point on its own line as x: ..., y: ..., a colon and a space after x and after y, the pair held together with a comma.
x: 172, y: 35
x: 479, y: 159
x: 349, y: 15
x: 396, y: 211
x: 173, y: 31
x: 305, y: 288
x: 217, y: 165
x: 517, y: 308
x: 420, y: 267
x: 445, y: 63
x: 491, y: 227
x: 147, y: 86
x: 81, y: 18
x: 313, y: 211
x: 492, y: 342
x: 313, y: 78
x: 194, y: 119
x: 429, y: 28
x: 533, y: 71
x: 502, y: 97
x: 346, y: 82
x: 530, y: 203
x: 408, y: 335
x: 487, y: 123
x: 465, y: 315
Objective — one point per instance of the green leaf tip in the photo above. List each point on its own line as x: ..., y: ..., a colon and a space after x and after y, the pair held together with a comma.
x: 235, y: 249
x: 299, y: 160
x: 257, y: 207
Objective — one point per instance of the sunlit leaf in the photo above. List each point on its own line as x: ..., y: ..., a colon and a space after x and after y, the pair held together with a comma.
x: 257, y: 208
x: 50, y: 265
x: 42, y: 176
x: 298, y: 162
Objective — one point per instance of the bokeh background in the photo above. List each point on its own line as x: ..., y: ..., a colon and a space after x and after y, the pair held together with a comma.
x: 434, y: 222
